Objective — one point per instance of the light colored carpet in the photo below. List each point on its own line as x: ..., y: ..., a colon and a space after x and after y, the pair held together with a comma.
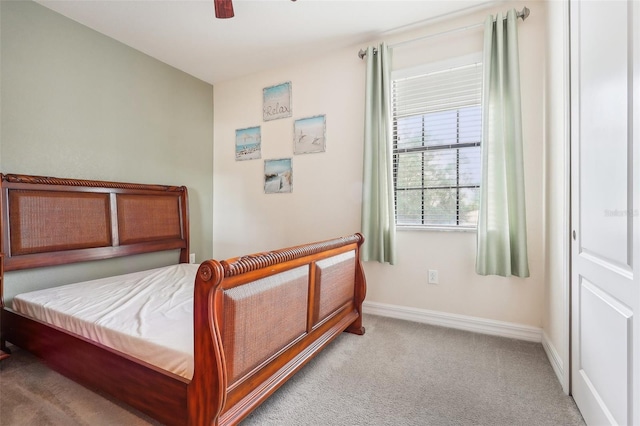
x: 398, y: 373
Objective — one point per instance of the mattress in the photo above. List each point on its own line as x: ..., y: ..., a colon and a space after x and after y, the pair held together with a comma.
x: 148, y: 314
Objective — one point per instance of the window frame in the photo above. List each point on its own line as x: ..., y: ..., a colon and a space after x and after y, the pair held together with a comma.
x: 439, y: 66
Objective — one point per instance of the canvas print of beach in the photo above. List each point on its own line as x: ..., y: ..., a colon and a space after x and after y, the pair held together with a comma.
x: 278, y: 176
x: 309, y: 135
x: 248, y: 143
x: 276, y: 101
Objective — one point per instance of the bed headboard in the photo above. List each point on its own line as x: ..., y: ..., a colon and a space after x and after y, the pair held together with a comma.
x: 51, y: 221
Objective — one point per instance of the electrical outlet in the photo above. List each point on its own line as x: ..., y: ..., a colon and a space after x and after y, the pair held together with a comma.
x: 192, y: 258
x: 433, y: 276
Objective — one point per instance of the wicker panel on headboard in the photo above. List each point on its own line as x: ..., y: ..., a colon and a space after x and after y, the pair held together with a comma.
x: 137, y: 225
x: 40, y: 223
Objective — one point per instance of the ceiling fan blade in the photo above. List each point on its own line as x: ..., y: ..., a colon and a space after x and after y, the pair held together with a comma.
x: 224, y: 8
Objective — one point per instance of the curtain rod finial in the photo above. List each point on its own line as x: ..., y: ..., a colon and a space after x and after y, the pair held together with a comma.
x: 525, y: 13
x: 363, y: 52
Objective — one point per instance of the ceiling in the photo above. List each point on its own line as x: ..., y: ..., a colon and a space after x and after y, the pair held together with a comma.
x: 264, y: 33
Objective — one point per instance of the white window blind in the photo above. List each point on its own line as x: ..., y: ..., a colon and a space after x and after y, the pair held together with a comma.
x: 436, y: 144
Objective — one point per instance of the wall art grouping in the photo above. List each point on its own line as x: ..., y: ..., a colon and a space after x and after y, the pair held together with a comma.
x: 309, y: 136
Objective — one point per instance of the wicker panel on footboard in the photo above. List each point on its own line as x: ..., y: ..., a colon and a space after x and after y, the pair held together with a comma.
x: 261, y: 318
x: 334, y: 284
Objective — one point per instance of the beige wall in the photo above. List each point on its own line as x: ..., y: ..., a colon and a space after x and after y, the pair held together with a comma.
x: 78, y: 104
x: 327, y: 186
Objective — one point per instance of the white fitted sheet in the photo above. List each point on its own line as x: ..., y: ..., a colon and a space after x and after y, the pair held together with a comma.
x: 148, y: 314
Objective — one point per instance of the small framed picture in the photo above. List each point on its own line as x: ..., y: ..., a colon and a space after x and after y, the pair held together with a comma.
x: 248, y: 143
x: 276, y: 101
x: 278, y: 176
x: 309, y: 135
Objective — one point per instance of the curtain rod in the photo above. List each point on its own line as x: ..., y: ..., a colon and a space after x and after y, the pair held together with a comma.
x: 524, y: 14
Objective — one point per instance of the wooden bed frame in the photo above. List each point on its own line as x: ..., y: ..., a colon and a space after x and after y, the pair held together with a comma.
x: 257, y: 319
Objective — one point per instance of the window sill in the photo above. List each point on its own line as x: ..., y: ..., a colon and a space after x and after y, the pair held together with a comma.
x: 403, y: 228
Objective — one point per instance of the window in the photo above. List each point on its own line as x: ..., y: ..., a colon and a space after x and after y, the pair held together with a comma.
x: 437, y: 128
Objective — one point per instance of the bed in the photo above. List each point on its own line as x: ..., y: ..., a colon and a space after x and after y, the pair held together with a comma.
x: 239, y: 328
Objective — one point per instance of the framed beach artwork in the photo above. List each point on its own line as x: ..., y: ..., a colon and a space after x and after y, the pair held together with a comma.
x: 278, y: 176
x: 309, y: 135
x: 276, y: 101
x: 248, y: 143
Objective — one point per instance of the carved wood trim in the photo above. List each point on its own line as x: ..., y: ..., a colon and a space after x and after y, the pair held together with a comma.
x: 48, y: 180
x: 207, y: 392
x: 256, y: 261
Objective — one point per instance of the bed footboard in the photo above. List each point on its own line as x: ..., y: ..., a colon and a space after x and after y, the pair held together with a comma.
x: 261, y: 318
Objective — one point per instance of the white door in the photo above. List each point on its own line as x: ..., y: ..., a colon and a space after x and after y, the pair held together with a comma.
x: 605, y: 188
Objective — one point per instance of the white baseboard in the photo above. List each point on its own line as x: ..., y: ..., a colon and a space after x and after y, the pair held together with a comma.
x: 462, y: 322
x: 554, y: 358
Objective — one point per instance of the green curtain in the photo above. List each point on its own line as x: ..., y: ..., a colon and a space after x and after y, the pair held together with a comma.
x: 378, y: 208
x: 502, y: 230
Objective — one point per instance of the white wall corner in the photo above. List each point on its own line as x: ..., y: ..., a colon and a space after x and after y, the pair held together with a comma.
x: 555, y: 360
x: 461, y: 322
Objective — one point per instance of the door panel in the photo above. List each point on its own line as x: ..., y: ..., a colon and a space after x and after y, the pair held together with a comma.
x: 605, y: 327
x: 603, y: 89
x: 605, y: 295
